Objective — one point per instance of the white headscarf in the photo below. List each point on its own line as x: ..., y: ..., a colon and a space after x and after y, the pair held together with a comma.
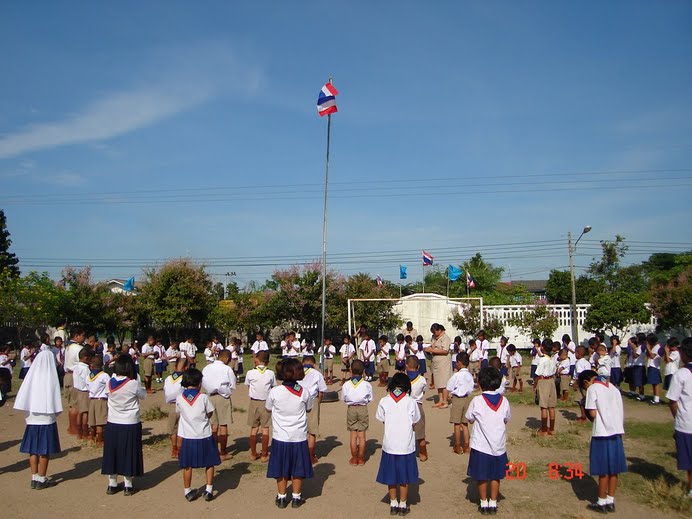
x: 40, y: 391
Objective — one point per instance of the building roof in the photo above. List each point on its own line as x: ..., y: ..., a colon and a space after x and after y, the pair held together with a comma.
x: 532, y: 285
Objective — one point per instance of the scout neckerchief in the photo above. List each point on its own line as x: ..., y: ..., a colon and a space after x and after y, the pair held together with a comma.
x: 397, y: 394
x: 689, y: 366
x: 494, y: 400
x: 601, y: 380
x: 293, y: 387
x: 94, y: 373
x: 114, y: 384
x: 190, y: 395
x: 176, y: 376
x: 412, y: 375
x: 261, y: 368
x: 356, y: 380
x: 307, y: 368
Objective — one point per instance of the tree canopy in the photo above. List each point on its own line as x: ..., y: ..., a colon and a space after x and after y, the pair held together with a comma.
x: 8, y: 260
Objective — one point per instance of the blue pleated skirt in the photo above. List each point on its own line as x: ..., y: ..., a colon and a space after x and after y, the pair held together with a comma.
x: 607, y: 456
x: 533, y: 370
x: 399, y: 365
x: 486, y: 467
x: 422, y: 366
x: 200, y: 453
x: 289, y: 460
x: 653, y: 376
x: 369, y: 368
x: 42, y: 440
x: 616, y: 376
x: 683, y: 447
x: 637, y: 376
x: 397, y: 469
x: 122, y: 450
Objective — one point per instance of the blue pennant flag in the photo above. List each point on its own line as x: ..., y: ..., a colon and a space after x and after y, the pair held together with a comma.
x: 129, y: 285
x: 402, y: 272
x: 454, y: 273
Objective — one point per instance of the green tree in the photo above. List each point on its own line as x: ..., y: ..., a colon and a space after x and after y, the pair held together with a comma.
x: 671, y: 302
x: 122, y: 314
x: 664, y: 267
x: 536, y: 321
x: 8, y: 260
x: 83, y: 304
x: 607, y: 268
x: 177, y: 295
x: 615, y: 312
x: 559, y: 288
x: 467, y: 319
x: 378, y: 316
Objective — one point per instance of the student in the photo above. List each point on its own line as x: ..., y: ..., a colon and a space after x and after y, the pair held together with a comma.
x: 563, y: 369
x: 568, y: 343
x: 420, y: 355
x: 26, y: 357
x: 357, y: 394
x: 680, y: 398
x: 232, y: 348
x: 39, y: 398
x: 401, y: 347
x: 219, y: 382
x: 241, y: 353
x: 484, y: 346
x: 545, y: 388
x: 503, y: 354
x: 475, y: 356
x: 97, y: 385
x: 260, y: 380
x: 367, y: 352
x: 615, y: 365
x: 653, y: 367
x: 418, y: 387
x: 198, y: 446
x: 347, y: 352
x: 58, y: 350
x: 382, y: 360
x: 398, y: 467
x: 290, y: 458
x: 515, y: 362
x: 173, y: 353
x: 172, y: 389
x: 160, y: 361
x: 313, y: 383
x: 260, y: 344
x: 148, y: 356
x: 535, y: 357
x: 290, y: 347
x: 607, y: 453
x: 581, y: 366
x: 5, y: 373
x: 672, y: 357
x: 454, y: 350
x: 602, y: 363
x: 460, y: 387
x: 209, y: 353
x: 74, y: 346
x: 494, y: 362
x: 639, y: 366
x: 80, y: 391
x: 122, y: 446
x: 328, y: 352
x: 489, y: 414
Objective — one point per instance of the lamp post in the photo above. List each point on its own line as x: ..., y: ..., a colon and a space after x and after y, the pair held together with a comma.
x: 572, y: 247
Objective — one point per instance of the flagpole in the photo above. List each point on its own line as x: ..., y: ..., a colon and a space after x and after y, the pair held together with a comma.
x: 324, y: 230
x: 447, y: 282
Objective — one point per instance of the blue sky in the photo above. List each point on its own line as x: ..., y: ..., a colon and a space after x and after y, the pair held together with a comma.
x: 131, y: 132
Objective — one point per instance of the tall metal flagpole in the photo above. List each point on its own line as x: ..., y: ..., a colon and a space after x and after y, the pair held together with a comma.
x: 324, y: 233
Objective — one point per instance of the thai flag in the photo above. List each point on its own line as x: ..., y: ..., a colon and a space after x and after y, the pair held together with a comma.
x: 427, y: 259
x: 469, y: 280
x: 326, y: 102
x: 379, y: 281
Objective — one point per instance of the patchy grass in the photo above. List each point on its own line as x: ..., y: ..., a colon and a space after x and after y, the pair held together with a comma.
x: 156, y: 441
x: 663, y: 493
x: 649, y: 430
x: 155, y: 413
x: 239, y: 409
x: 528, y: 398
x: 571, y: 438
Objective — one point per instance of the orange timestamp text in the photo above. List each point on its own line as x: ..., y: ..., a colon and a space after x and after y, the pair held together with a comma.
x: 566, y: 471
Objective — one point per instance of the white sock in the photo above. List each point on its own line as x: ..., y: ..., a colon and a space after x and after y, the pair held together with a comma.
x: 281, y: 496
x: 112, y: 481
x: 394, y: 503
x: 187, y: 491
x: 128, y: 482
x: 484, y: 503
x: 210, y: 488
x: 41, y: 479
x: 296, y: 496
x: 610, y: 500
x: 402, y: 504
x: 602, y: 501
x: 34, y: 477
x: 657, y: 399
x: 492, y: 503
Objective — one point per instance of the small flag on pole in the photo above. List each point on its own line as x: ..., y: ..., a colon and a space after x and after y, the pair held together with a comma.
x: 326, y: 102
x: 129, y: 285
x: 379, y: 281
x: 427, y: 259
x: 454, y: 273
x: 402, y: 272
x: 469, y: 280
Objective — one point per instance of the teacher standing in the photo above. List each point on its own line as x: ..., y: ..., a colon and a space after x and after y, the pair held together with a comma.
x: 441, y: 363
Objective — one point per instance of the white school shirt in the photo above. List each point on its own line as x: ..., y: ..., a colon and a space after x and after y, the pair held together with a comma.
x: 209, y: 355
x: 259, y: 381
x: 123, y: 400
x: 81, y: 375
x: 399, y: 351
x: 219, y: 378
x: 418, y: 387
x: 313, y: 382
x: 383, y: 354
x: 133, y: 353
x: 535, y: 359
x: 24, y: 363
x: 656, y: 361
x: 642, y: 356
x: 40, y: 418
x: 420, y: 353
x: 357, y: 392
x: 173, y: 387
x: 603, y: 365
x: 328, y: 352
x: 97, y: 384
x: 503, y: 354
x: 159, y: 352
x: 614, y: 355
x: 489, y: 432
x: 461, y: 383
x: 606, y: 399
x: 581, y: 365
x: 672, y: 367
x: 173, y: 355
x: 563, y: 367
x: 5, y: 362
x: 546, y: 367
x: 194, y: 423
x: 258, y: 346
x: 515, y: 360
x: 289, y: 406
x: 307, y: 348
x: 368, y: 349
x: 241, y: 350
x: 290, y: 349
x: 571, y: 352
x: 44, y: 347
x: 399, y: 418
x: 680, y: 391
x: 484, y: 347
x: 503, y: 385
x: 234, y: 350
x: 629, y: 359
x: 347, y: 350
x: 189, y: 349
x: 476, y: 354
x: 72, y: 355
x: 148, y: 351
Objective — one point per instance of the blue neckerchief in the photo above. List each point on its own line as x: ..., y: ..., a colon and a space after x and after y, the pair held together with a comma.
x: 412, y: 374
x: 307, y: 366
x: 355, y: 380
x: 190, y: 393
x: 602, y: 379
x: 493, y: 398
x: 94, y: 372
x: 290, y: 383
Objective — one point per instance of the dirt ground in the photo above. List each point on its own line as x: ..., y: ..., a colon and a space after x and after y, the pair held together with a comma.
x: 339, y: 490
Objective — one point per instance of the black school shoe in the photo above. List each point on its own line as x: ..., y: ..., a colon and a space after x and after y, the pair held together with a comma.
x: 208, y: 496
x: 281, y: 502
x: 483, y: 509
x: 610, y: 507
x: 297, y: 503
x: 492, y: 510
x: 112, y: 490
x: 129, y: 491
x: 393, y: 510
x: 40, y: 485
x: 191, y: 495
x: 404, y: 510
x: 595, y: 507
x: 33, y: 483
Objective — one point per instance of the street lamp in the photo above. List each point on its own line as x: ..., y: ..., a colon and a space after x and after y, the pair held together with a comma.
x: 572, y: 247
